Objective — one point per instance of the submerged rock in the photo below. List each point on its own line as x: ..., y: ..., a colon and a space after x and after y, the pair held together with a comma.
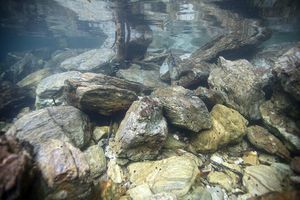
x: 135, y: 73
x: 65, y: 123
x: 262, y: 139
x: 262, y: 179
x: 222, y: 179
x: 49, y: 91
x: 295, y: 164
x: 92, y: 60
x: 210, y: 97
x: 279, y: 123
x: 16, y: 172
x: 142, y: 132
x: 183, y: 109
x: 228, y: 126
x: 287, y: 70
x: 96, y: 160
x: 240, y: 86
x: 287, y: 195
x: 12, y: 99
x: 32, y: 80
x: 64, y: 172
x: 173, y: 175
x: 102, y: 94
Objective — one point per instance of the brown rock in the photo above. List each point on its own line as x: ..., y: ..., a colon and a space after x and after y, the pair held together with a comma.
x: 102, y: 94
x: 290, y: 195
x: 15, y: 169
x: 295, y: 164
x: 262, y: 139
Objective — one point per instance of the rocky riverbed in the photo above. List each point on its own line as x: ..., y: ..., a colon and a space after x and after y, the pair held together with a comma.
x: 168, y: 126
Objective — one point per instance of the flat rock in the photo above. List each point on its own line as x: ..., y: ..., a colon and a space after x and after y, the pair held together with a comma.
x: 65, y: 123
x: 64, y: 172
x: 49, y: 91
x: 102, y: 94
x: 135, y: 73
x: 183, y: 109
x: 222, y: 179
x: 287, y: 69
x: 228, y: 126
x: 88, y: 61
x: 262, y: 139
x: 16, y: 169
x: 173, y: 175
x: 142, y: 132
x: 261, y: 179
x: 240, y: 86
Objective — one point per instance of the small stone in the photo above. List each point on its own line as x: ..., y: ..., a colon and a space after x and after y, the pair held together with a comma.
x: 96, y: 160
x: 250, y: 158
x: 100, y: 132
x: 222, y: 179
x: 140, y: 192
x: 115, y: 172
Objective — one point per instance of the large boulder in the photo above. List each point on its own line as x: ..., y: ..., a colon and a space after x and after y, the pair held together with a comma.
x: 287, y: 70
x: 228, y: 126
x: 183, y: 109
x: 240, y: 86
x: 64, y: 172
x: 173, y: 175
x: 142, y: 132
x: 92, y: 60
x: 49, y: 91
x: 16, y: 169
x: 280, y: 116
x: 102, y: 94
x: 262, y: 139
x: 65, y: 123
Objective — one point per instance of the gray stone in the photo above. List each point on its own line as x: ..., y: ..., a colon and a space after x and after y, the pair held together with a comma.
x: 240, y: 86
x: 261, y: 179
x: 287, y: 69
x: 183, y: 109
x: 49, y: 91
x: 64, y: 123
x: 92, y: 60
x: 135, y: 73
x: 142, y: 132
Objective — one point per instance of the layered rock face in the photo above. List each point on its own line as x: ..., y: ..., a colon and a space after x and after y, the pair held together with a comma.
x: 102, y: 94
x: 64, y: 123
x: 142, y: 132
